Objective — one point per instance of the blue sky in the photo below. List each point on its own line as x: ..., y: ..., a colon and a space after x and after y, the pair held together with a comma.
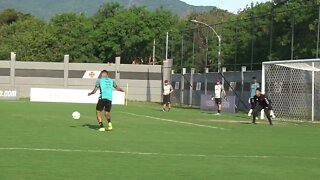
x: 230, y: 5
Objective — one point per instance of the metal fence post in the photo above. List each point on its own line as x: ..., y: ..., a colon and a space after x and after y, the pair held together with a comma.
x: 117, y: 74
x: 191, y: 86
x: 243, y: 69
x: 206, y: 71
x: 184, y: 70
x: 224, y: 69
x: 12, y: 68
x: 66, y: 70
x: 166, y: 69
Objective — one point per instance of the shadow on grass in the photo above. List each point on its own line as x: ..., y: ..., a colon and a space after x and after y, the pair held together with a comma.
x: 249, y: 123
x: 234, y: 115
x: 95, y: 127
x: 90, y: 126
x: 187, y: 107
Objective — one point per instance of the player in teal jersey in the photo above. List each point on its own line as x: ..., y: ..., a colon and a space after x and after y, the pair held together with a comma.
x: 253, y: 87
x: 106, y: 86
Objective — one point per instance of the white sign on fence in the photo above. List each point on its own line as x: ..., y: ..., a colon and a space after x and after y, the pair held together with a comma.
x: 9, y: 93
x: 91, y: 75
x: 71, y: 96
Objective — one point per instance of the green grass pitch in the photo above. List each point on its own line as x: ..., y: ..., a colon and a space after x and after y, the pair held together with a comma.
x: 42, y: 141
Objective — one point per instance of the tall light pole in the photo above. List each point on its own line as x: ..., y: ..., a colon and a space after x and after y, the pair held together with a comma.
x: 219, y: 38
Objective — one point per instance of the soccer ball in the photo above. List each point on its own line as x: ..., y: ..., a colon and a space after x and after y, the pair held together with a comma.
x: 76, y: 115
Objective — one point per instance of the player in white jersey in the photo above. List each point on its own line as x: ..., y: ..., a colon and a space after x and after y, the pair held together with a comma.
x: 167, y: 90
x: 219, y: 93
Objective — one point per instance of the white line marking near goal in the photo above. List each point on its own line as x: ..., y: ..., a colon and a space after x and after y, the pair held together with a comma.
x: 174, y: 121
x: 157, y: 154
x: 102, y: 151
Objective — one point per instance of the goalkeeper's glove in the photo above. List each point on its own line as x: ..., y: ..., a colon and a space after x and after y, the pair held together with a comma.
x: 272, y: 114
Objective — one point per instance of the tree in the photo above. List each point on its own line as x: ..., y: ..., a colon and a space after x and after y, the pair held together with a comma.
x: 9, y: 16
x: 130, y: 33
x: 30, y: 39
x: 74, y: 36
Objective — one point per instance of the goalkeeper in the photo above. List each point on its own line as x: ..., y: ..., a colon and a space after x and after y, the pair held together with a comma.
x: 261, y: 102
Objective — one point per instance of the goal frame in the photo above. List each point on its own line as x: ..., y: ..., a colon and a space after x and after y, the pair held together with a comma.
x: 263, y: 79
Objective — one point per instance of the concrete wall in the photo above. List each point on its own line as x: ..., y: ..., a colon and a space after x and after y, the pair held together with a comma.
x: 144, y: 81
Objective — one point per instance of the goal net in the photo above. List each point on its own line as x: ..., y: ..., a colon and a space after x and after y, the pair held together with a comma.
x: 293, y: 88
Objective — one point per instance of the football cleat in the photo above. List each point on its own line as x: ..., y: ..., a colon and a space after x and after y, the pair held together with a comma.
x: 102, y: 129
x: 250, y: 113
x: 109, y: 127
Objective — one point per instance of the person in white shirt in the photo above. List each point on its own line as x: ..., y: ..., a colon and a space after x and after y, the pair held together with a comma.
x: 219, y: 93
x: 167, y: 90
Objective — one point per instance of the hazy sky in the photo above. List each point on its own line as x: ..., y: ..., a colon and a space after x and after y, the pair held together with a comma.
x: 230, y: 5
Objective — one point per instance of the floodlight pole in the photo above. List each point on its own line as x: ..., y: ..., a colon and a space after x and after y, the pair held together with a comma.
x: 219, y: 38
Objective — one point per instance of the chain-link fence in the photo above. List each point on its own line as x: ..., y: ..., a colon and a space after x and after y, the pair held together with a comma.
x: 189, y: 86
x: 293, y: 87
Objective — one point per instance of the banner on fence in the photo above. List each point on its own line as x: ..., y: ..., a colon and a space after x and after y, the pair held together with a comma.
x: 71, y: 96
x: 227, y: 106
x: 91, y: 75
x: 7, y: 93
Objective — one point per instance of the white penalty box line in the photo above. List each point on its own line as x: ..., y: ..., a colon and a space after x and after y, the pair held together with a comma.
x: 156, y: 154
x: 174, y: 121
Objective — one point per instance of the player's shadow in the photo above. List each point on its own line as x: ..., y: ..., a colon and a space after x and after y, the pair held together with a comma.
x: 90, y: 126
x: 95, y: 127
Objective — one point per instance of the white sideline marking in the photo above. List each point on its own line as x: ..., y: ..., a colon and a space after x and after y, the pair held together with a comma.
x: 159, y: 154
x: 170, y: 120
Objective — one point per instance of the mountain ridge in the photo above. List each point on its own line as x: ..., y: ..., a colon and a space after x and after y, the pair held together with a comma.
x: 45, y: 9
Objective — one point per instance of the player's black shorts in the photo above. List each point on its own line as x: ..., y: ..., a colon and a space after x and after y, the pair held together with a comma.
x: 166, y: 99
x: 104, y: 104
x: 218, y: 100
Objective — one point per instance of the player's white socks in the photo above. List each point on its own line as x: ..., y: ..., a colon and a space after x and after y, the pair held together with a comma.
x: 272, y: 114
x: 250, y: 112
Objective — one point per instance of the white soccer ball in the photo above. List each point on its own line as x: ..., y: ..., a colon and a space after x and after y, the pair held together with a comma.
x: 76, y: 115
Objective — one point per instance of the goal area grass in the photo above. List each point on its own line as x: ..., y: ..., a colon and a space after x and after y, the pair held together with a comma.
x: 42, y: 141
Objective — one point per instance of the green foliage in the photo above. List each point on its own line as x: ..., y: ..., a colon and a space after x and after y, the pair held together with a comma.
x: 112, y: 31
x: 9, y: 16
x: 261, y: 32
x: 74, y: 35
x: 31, y: 39
x: 201, y: 40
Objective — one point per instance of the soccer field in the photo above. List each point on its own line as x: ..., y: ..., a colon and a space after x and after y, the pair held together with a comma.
x: 42, y: 141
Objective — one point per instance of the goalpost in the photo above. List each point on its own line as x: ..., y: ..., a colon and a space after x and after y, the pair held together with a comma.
x: 293, y: 87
